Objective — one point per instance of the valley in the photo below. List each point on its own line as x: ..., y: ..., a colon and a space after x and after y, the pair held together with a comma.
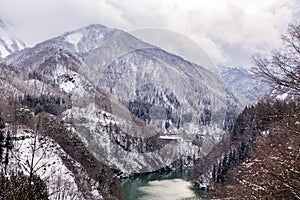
x: 97, y: 113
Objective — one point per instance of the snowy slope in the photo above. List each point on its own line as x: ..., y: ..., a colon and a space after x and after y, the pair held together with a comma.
x: 8, y: 42
x: 49, y: 163
x: 247, y: 88
x: 171, y: 91
x: 109, y: 78
x: 95, y: 129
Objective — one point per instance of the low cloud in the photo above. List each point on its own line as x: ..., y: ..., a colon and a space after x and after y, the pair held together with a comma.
x: 229, y: 30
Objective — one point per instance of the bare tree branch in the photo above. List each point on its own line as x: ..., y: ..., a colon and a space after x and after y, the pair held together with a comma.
x: 282, y: 70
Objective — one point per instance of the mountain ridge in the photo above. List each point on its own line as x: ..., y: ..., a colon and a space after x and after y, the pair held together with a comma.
x: 60, y: 69
x: 134, y: 107
x: 9, y: 43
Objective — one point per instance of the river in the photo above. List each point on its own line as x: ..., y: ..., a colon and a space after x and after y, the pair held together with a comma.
x: 160, y: 186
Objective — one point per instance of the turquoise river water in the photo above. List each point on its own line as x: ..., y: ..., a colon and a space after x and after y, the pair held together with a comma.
x: 161, y: 186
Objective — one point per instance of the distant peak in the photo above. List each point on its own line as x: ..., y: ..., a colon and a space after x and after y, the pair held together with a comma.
x: 2, y: 24
x: 90, y: 29
x: 96, y: 26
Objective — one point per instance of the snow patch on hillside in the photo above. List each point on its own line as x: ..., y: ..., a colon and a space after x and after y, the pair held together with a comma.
x: 91, y: 128
x: 49, y: 165
x: 74, y: 38
x: 3, y: 51
x: 67, y: 86
x: 8, y: 42
x: 282, y: 96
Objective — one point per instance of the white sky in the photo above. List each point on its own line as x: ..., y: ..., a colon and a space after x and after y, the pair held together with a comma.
x: 230, y: 31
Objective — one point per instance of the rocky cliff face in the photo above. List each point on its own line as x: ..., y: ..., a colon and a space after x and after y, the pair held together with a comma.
x: 122, y: 96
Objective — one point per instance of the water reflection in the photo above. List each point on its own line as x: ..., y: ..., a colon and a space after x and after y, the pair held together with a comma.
x: 160, y: 186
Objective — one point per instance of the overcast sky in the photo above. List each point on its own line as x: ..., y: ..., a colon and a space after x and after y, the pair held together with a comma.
x: 230, y: 31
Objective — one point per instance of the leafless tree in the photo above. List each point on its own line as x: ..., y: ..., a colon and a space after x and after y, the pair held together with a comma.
x: 282, y: 70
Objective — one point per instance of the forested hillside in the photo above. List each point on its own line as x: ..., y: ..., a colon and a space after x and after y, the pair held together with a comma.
x: 259, y: 156
x: 264, y: 163
x: 41, y: 157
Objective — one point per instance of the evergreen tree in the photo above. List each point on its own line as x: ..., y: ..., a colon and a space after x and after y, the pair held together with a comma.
x: 219, y: 173
x: 225, y: 166
x: 17, y: 187
x: 214, y: 173
x: 2, y: 126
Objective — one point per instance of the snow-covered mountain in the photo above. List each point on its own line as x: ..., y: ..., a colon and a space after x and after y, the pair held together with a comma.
x: 243, y: 85
x: 162, y: 89
x: 55, y: 150
x: 9, y: 43
x: 122, y: 96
